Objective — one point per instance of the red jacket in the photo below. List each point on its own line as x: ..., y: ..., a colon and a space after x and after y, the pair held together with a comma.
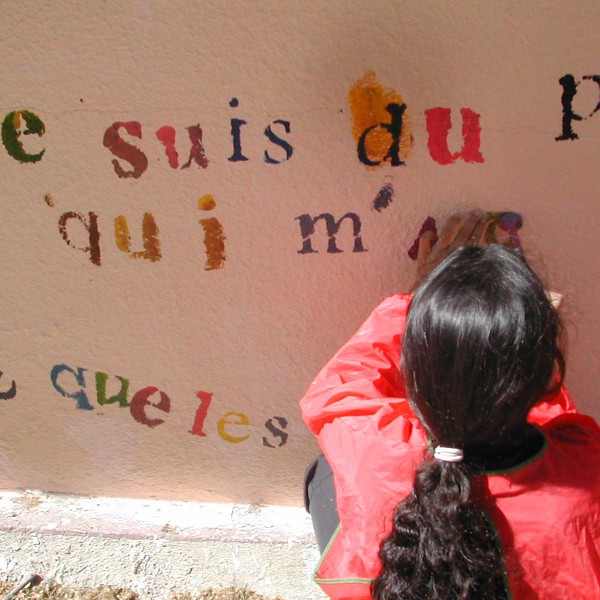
x: 546, y: 511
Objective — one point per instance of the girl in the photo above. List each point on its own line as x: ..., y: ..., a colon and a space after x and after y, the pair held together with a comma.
x: 462, y: 471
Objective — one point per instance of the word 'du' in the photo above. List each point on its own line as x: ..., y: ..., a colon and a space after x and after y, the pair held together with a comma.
x: 382, y: 127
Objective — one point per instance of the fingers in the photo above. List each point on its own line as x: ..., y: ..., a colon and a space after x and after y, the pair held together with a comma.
x: 487, y: 234
x: 450, y: 230
x: 467, y: 229
x: 555, y: 299
x: 460, y: 230
x: 479, y: 232
x: 426, y: 242
x: 471, y: 231
x: 424, y: 265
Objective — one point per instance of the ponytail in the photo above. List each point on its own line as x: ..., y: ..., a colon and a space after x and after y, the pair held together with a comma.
x: 479, y: 350
x: 442, y: 547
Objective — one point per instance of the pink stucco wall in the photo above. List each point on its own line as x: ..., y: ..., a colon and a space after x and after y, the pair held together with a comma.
x: 221, y: 308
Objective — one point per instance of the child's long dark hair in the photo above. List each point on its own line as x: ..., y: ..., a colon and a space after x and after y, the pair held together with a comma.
x: 480, y: 348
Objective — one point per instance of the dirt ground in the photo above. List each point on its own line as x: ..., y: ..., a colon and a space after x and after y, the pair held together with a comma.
x: 46, y: 590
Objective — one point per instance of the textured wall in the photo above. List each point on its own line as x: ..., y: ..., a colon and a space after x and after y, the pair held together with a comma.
x: 167, y: 294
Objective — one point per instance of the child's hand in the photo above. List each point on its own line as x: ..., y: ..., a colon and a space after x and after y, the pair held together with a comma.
x: 467, y: 229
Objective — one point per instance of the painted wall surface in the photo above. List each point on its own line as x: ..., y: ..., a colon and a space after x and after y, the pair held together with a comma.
x: 202, y: 201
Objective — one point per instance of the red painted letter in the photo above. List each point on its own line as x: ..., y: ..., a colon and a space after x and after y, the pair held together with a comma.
x: 166, y: 135
x: 128, y: 152
x: 91, y: 226
x: 439, y: 123
x: 205, y: 399
x: 197, y: 150
x: 142, y: 399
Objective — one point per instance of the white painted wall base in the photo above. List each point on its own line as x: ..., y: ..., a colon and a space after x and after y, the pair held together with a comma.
x: 157, y: 547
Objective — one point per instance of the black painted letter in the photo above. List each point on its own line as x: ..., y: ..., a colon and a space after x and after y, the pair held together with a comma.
x: 278, y: 142
x: 307, y: 229
x: 569, y: 86
x: 276, y: 432
x: 395, y: 128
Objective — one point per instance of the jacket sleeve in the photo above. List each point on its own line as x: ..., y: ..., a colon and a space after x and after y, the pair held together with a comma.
x: 364, y: 372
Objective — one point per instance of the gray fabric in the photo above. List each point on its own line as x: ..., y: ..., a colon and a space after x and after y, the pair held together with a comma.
x: 320, y: 501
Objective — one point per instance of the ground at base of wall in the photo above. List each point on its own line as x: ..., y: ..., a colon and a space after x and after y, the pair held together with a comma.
x: 158, y: 549
x: 49, y: 590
